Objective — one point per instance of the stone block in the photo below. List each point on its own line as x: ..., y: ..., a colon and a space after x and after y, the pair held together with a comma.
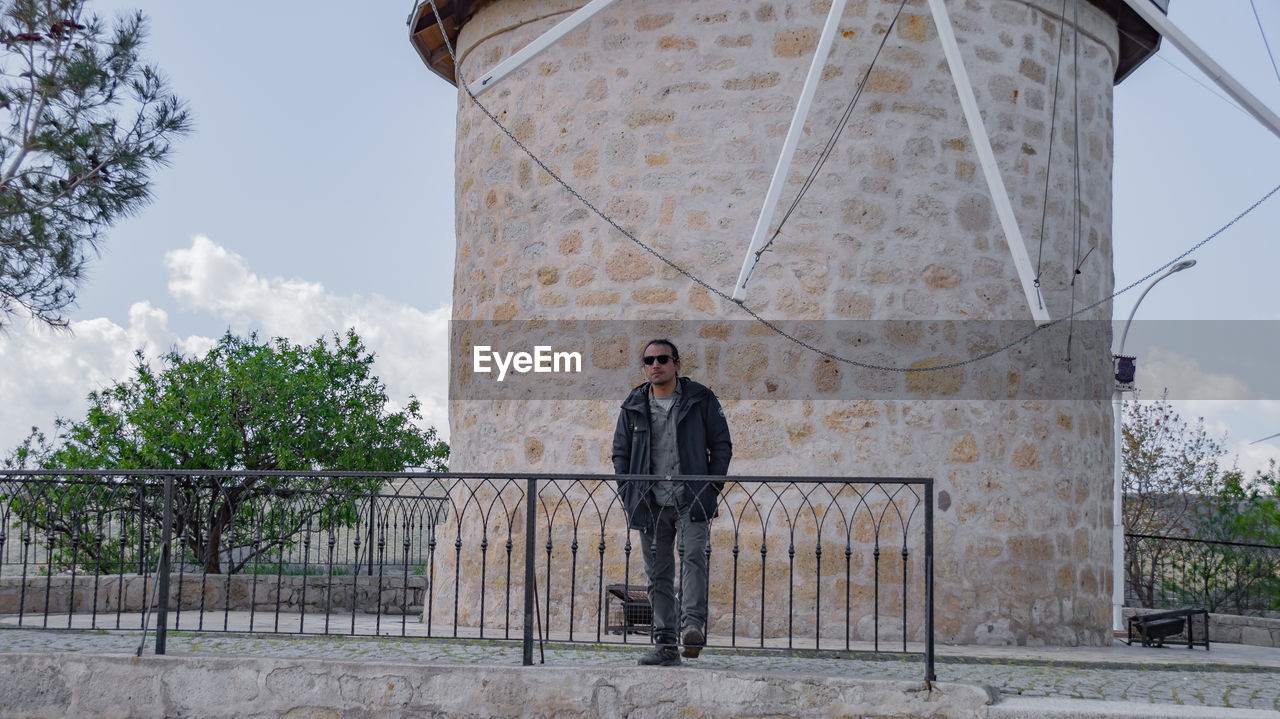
x: 797, y: 42
x: 657, y: 21
x: 35, y: 686
x: 915, y: 28
x: 1231, y: 633
x: 754, y: 81
x: 963, y: 449
x: 1256, y: 636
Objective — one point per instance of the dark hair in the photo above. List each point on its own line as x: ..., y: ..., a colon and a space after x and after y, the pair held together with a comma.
x: 675, y: 353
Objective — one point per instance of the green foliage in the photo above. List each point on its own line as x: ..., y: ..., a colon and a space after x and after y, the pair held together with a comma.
x: 1246, y: 509
x: 1233, y: 572
x: 1174, y: 486
x: 245, y: 405
x: 83, y: 124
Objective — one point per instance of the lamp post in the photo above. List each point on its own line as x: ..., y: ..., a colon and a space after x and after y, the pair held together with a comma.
x: 1117, y: 504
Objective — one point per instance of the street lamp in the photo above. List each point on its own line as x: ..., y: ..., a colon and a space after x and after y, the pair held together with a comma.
x: 1117, y: 504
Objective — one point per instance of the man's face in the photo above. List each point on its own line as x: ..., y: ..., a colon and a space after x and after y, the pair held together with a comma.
x: 659, y: 366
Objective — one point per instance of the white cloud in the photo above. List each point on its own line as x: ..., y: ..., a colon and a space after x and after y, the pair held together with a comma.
x: 1182, y: 377
x: 411, y: 345
x: 1250, y: 458
x: 1226, y: 403
x: 1240, y: 423
x: 1248, y: 422
x: 210, y: 278
x: 45, y: 374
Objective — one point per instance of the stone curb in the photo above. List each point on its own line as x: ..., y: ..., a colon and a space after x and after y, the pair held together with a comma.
x: 1235, y: 679
x: 1050, y: 708
x: 52, y: 684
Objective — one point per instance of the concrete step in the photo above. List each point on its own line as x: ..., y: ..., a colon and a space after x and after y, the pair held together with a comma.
x: 1054, y: 708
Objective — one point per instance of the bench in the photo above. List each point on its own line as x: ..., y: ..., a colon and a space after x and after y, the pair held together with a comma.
x: 1155, y: 627
x: 634, y: 614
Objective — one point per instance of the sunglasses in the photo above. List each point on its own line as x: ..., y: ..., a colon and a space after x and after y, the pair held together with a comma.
x: 660, y: 359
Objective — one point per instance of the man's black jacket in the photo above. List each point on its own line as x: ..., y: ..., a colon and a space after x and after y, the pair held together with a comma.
x: 702, y: 435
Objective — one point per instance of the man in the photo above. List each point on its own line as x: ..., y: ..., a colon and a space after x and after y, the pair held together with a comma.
x: 671, y: 426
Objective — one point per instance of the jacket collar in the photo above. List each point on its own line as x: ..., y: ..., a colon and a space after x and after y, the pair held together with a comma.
x: 638, y: 400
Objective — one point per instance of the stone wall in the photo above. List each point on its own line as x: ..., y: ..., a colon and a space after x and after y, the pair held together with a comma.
x: 1232, y: 628
x: 669, y: 116
x: 236, y: 592
x: 60, y: 685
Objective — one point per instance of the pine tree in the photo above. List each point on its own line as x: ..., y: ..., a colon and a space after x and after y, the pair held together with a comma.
x: 84, y: 122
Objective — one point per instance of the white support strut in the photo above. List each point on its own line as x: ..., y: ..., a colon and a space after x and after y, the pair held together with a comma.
x: 486, y: 81
x: 789, y: 147
x: 1201, y: 59
x: 987, y: 159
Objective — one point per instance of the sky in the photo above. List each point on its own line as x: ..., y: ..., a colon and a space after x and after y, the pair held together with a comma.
x: 316, y: 193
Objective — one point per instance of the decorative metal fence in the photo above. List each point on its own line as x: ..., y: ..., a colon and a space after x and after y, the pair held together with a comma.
x: 841, y: 564
x: 1225, y: 577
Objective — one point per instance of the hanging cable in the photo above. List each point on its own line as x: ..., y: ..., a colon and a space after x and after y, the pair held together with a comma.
x: 1264, y: 39
x: 1053, y: 126
x: 772, y: 326
x: 1152, y: 50
x: 1076, y: 234
x: 835, y: 135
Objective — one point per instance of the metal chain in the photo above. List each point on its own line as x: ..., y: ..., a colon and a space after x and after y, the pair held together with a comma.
x: 770, y: 324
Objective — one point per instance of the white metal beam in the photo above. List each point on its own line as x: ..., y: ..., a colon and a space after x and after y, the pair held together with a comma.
x: 486, y: 81
x: 1201, y: 59
x: 789, y: 147
x: 987, y: 159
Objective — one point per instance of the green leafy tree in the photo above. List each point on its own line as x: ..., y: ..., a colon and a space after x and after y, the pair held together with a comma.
x: 245, y: 405
x: 83, y: 124
x: 1239, y: 571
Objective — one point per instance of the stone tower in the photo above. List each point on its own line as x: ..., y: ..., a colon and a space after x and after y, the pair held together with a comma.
x: 669, y: 115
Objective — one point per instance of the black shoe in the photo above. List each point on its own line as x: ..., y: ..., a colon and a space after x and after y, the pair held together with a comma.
x: 693, y: 641
x: 663, y: 655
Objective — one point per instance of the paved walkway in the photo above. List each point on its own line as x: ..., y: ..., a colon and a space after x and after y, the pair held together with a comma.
x: 1229, y: 675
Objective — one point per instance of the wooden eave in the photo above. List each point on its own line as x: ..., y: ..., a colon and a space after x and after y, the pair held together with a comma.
x: 1138, y: 40
x: 427, y: 39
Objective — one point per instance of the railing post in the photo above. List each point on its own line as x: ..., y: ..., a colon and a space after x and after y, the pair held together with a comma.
x: 373, y: 518
x: 166, y: 535
x: 142, y: 536
x: 929, y: 675
x: 529, y: 537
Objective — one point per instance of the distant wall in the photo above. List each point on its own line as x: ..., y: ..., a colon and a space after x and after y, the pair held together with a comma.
x: 1232, y: 628
x: 239, y: 592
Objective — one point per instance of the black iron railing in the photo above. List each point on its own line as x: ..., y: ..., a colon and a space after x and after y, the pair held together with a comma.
x: 1224, y: 577
x: 840, y: 564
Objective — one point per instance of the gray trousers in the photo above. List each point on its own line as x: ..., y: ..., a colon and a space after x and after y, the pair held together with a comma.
x: 672, y: 525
